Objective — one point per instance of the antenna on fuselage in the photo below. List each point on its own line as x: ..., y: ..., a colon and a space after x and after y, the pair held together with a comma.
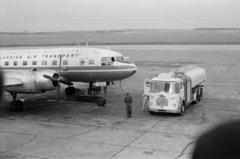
x: 87, y: 44
x: 78, y: 44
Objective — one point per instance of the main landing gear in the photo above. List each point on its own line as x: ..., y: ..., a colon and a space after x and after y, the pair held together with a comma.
x: 69, y: 91
x: 16, y: 105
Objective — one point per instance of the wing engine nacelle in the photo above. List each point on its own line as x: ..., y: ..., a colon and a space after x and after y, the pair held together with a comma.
x: 33, y: 82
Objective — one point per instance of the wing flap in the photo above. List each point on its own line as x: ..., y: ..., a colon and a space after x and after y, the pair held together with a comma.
x: 10, y: 82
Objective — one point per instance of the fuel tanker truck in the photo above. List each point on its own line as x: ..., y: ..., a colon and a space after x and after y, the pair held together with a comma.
x: 171, y: 92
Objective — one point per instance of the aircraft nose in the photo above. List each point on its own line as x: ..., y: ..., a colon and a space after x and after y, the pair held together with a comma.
x: 134, y: 68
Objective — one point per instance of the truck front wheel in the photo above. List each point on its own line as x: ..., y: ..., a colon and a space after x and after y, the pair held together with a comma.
x: 182, y: 109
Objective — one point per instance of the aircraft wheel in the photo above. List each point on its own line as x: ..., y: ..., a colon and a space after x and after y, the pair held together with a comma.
x: 68, y: 91
x: 101, y: 101
x: 20, y: 105
x: 72, y: 90
x: 13, y: 106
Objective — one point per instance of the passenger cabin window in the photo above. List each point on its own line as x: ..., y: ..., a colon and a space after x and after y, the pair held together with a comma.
x: 44, y: 62
x: 6, y: 63
x: 54, y: 62
x: 24, y: 63
x: 15, y: 63
x: 34, y: 63
x: 65, y: 62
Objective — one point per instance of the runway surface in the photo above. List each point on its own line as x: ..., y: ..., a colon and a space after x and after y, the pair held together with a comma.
x: 84, y: 130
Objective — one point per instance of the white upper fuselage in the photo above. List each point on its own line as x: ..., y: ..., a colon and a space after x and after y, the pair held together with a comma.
x: 77, y: 64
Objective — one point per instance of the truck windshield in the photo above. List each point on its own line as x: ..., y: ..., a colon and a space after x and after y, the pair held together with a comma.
x: 167, y: 87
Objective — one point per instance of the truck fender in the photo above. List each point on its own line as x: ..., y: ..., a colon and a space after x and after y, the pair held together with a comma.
x: 180, y: 103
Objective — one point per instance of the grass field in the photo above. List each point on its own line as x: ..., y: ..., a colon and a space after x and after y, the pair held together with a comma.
x: 131, y: 37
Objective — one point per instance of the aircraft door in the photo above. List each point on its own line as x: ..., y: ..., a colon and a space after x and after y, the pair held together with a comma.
x: 32, y: 80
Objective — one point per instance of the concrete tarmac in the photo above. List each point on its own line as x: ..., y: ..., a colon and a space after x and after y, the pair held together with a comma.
x: 77, y: 130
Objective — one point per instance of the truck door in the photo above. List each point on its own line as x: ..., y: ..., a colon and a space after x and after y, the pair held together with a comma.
x: 147, y: 86
x: 146, y: 93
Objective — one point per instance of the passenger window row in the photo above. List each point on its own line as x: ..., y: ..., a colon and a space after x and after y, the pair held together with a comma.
x: 44, y: 62
x: 25, y: 63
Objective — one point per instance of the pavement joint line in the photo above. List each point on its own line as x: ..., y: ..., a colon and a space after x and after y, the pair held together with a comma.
x: 17, y: 133
x: 22, y: 144
x: 24, y: 155
x: 155, y: 149
x: 182, y: 153
x: 175, y: 134
x: 82, y: 133
x: 75, y: 124
x: 144, y: 132
x: 217, y: 78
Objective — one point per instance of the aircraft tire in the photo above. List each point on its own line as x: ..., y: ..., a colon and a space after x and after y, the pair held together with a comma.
x: 20, y: 105
x: 68, y: 91
x: 72, y: 90
x: 13, y: 106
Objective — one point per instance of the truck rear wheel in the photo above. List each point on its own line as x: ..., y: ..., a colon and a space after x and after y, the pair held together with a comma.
x: 197, y: 98
x: 200, y: 95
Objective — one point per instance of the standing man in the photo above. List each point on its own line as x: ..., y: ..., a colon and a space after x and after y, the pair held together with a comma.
x: 128, y: 102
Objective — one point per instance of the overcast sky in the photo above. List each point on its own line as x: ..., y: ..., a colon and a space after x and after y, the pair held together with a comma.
x: 75, y: 15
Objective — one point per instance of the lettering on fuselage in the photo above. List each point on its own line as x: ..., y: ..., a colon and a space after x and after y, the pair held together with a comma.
x: 43, y: 56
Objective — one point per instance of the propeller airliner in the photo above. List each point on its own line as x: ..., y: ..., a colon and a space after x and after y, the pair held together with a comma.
x: 31, y: 71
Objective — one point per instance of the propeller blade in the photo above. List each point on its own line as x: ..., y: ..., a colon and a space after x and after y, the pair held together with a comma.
x: 64, y: 81
x: 50, y: 78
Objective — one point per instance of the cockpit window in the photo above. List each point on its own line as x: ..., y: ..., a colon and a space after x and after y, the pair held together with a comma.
x: 120, y: 58
x: 110, y: 60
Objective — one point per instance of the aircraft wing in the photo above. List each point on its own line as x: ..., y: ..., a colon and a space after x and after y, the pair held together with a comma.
x: 10, y: 82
